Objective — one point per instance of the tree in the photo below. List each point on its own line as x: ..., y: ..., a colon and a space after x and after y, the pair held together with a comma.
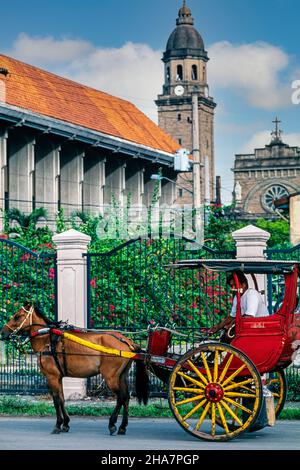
x: 23, y: 220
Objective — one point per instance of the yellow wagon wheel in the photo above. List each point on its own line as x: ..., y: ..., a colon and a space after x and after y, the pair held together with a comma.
x: 277, y: 384
x: 215, y: 392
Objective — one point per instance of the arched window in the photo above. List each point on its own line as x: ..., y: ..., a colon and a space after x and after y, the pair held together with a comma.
x: 179, y: 75
x: 178, y: 117
x: 194, y: 72
x: 168, y: 74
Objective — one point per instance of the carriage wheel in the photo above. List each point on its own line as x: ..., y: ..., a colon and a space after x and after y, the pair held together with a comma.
x: 277, y: 384
x: 215, y: 392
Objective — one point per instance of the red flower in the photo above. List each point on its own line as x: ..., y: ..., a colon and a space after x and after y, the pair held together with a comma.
x: 51, y: 273
x: 47, y: 245
x: 93, y: 282
x: 144, y: 300
x: 7, y: 286
x: 195, y: 305
x: 25, y: 257
x: 112, y: 308
x: 52, y: 296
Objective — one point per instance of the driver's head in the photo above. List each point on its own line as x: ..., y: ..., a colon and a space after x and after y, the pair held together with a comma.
x: 242, y: 281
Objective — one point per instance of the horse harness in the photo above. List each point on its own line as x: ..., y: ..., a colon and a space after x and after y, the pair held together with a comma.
x: 55, y: 338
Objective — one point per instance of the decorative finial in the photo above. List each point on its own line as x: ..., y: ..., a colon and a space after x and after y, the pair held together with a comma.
x: 185, y: 15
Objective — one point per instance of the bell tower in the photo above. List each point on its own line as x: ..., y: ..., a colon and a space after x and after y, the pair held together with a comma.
x: 185, y: 61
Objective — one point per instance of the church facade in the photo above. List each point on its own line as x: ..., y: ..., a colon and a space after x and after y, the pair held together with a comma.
x: 267, y: 174
x: 185, y: 65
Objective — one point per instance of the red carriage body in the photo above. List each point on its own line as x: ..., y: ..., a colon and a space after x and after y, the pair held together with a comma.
x: 229, y: 378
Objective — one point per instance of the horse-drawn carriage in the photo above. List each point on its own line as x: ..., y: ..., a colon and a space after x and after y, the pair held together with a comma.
x: 216, y: 389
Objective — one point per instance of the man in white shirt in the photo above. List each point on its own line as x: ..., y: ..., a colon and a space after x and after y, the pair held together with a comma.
x: 252, y: 304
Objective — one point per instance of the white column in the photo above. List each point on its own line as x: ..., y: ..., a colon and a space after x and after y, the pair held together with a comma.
x: 94, y: 183
x: 295, y: 219
x: 251, y: 242
x: 71, y: 173
x: 21, y: 171
x: 134, y: 182
x: 114, y: 183
x: 72, y: 291
x: 3, y: 164
x: 47, y: 168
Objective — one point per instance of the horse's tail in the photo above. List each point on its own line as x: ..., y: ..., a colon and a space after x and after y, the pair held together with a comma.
x: 141, y: 382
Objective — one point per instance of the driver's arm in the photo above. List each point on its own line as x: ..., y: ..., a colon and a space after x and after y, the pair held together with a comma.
x: 226, y: 323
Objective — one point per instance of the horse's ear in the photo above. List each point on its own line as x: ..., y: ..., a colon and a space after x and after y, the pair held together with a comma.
x: 27, y: 304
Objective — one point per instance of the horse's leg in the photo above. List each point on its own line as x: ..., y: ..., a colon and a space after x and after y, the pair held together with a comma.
x: 66, y: 417
x: 113, y: 384
x: 125, y: 400
x: 55, y: 385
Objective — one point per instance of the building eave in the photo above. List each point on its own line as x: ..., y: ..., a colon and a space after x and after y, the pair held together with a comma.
x: 84, y: 135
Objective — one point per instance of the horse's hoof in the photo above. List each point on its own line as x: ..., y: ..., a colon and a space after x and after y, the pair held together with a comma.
x: 112, y: 430
x: 56, y: 431
x: 65, y: 428
x: 122, y: 432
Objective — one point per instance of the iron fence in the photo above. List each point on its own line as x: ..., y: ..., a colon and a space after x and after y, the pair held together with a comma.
x: 131, y: 287
x: 25, y: 276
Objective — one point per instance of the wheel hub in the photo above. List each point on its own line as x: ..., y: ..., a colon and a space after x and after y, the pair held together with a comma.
x: 214, y: 392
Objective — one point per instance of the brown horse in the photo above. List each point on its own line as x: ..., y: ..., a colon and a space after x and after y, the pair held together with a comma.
x: 59, y: 357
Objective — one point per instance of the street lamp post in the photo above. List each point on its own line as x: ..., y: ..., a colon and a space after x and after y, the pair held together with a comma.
x: 196, y: 152
x: 156, y: 177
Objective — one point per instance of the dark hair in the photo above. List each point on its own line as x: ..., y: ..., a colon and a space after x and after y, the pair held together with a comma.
x: 240, y: 275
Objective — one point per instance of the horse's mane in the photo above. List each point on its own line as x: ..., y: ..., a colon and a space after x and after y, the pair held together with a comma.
x: 39, y: 311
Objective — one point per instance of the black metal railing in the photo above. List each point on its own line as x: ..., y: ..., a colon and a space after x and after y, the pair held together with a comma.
x: 129, y: 288
x: 25, y: 276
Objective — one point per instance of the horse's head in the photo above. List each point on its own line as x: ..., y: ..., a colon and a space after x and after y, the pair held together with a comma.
x: 20, y: 322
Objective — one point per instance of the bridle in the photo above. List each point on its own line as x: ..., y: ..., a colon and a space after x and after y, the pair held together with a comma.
x: 29, y: 315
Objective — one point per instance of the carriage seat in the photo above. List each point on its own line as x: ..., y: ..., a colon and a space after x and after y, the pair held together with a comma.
x: 158, y: 341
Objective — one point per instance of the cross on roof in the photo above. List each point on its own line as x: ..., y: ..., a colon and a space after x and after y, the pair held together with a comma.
x: 277, y: 132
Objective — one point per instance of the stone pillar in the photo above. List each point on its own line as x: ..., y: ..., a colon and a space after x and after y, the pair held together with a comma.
x: 94, y: 182
x: 72, y: 291
x: 149, y: 188
x: 295, y: 219
x: 47, y: 172
x: 21, y: 170
x: 168, y: 192
x: 71, y: 174
x: 134, y: 182
x: 114, y: 181
x: 3, y: 173
x: 251, y: 242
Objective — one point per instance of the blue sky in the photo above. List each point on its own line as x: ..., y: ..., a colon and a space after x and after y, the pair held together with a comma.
x: 116, y: 46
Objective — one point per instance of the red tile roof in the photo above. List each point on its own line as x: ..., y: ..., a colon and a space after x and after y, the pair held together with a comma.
x: 49, y: 95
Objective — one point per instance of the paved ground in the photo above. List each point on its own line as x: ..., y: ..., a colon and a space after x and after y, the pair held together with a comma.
x: 143, y: 434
